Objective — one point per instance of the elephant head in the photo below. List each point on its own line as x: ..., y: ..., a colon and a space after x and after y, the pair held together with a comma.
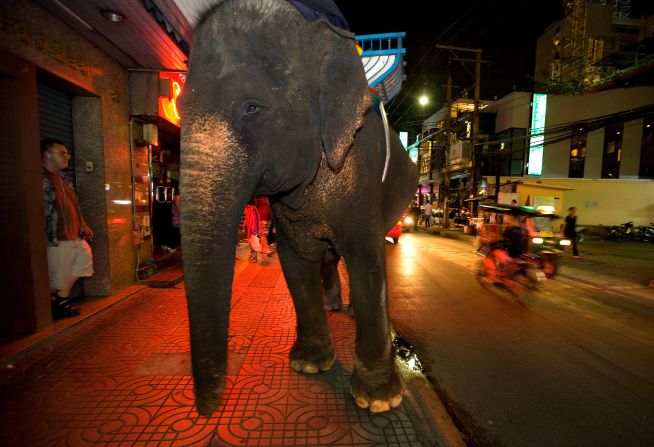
x: 271, y: 100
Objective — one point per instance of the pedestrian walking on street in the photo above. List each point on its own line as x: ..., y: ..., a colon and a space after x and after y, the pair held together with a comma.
x: 69, y: 255
x: 428, y: 214
x: 265, y: 219
x: 252, y: 229
x: 414, y: 212
x: 570, y: 230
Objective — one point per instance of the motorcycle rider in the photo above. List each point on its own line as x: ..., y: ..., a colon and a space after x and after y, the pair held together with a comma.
x: 515, y: 239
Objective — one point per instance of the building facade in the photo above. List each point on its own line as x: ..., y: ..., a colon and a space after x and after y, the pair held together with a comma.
x: 66, y: 75
x: 597, y: 156
x: 597, y: 43
x: 596, y: 153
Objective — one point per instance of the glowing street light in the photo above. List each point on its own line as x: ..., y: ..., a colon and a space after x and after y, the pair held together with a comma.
x: 423, y: 100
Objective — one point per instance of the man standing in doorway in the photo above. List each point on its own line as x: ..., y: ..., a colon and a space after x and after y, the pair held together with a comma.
x: 69, y: 255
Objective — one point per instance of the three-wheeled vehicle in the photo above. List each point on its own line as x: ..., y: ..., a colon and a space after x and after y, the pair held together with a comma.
x: 519, y: 245
x: 537, y: 224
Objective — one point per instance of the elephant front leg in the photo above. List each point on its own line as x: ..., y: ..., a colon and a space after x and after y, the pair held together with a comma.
x: 313, y: 350
x: 375, y: 382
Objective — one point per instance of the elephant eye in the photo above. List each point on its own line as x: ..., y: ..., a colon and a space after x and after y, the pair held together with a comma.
x: 250, y: 110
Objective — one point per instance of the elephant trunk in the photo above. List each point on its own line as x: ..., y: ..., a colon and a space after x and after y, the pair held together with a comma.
x: 215, y: 184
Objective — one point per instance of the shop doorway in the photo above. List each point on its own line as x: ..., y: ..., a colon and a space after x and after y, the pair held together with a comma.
x: 156, y: 189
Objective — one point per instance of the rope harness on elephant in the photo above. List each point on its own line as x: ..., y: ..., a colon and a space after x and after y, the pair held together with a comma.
x: 378, y: 106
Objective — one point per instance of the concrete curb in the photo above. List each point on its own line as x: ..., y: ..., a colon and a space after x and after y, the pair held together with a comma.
x: 430, y: 417
x: 424, y: 406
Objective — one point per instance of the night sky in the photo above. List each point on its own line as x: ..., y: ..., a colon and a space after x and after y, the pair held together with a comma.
x: 506, y: 31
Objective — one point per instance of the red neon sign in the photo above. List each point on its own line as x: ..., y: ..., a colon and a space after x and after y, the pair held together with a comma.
x: 168, y: 103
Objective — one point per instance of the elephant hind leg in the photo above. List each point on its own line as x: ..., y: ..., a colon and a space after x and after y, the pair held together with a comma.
x: 313, y: 350
x: 331, y: 283
x: 379, y: 391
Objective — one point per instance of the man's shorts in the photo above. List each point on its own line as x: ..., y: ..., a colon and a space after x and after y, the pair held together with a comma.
x: 69, y: 259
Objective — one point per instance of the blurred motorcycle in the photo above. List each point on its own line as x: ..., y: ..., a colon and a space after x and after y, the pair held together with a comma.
x: 543, y: 244
x: 520, y: 248
x: 519, y: 275
x: 646, y: 233
x: 622, y: 231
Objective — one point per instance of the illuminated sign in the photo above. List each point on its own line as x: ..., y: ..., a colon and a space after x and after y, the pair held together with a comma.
x: 404, y: 138
x: 413, y: 154
x: 168, y: 103
x: 539, y: 107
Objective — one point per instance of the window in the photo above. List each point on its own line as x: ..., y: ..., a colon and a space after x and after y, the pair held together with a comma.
x: 595, y: 50
x: 577, y: 153
x: 612, y: 150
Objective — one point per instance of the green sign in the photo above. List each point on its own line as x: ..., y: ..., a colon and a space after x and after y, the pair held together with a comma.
x: 539, y: 107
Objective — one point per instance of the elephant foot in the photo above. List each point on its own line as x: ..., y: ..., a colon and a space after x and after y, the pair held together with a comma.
x: 378, y: 389
x: 209, y: 396
x: 311, y: 357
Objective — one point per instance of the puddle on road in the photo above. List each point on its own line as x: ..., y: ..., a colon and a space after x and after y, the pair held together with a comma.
x: 405, y: 352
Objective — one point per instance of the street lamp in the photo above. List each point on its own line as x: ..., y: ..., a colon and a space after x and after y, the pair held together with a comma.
x: 423, y: 100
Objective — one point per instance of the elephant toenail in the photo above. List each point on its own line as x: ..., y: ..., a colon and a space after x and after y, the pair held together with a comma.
x: 361, y: 402
x: 296, y: 365
x: 379, y: 406
x: 396, y: 401
x: 310, y: 369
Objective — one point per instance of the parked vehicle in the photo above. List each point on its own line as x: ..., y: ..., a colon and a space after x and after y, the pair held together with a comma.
x: 395, y: 232
x: 646, y: 233
x: 622, y: 232
x: 401, y: 225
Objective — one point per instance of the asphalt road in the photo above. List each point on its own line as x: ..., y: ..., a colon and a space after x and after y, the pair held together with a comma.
x: 570, y: 366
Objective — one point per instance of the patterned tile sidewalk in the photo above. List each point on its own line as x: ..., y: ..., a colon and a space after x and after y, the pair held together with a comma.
x: 123, y: 379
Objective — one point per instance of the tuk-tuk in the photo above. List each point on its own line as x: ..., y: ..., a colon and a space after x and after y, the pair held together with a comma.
x: 542, y: 239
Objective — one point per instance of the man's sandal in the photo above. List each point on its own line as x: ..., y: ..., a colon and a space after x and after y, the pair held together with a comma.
x: 62, y: 308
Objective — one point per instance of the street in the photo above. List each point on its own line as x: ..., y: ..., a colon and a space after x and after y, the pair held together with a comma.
x: 571, y: 365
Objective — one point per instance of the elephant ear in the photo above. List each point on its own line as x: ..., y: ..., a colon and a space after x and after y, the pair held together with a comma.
x: 343, y: 96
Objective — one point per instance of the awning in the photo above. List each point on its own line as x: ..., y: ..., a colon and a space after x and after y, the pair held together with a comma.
x: 382, y: 56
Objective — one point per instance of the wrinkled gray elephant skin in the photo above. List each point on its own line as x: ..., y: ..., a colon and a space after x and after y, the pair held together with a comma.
x: 278, y: 106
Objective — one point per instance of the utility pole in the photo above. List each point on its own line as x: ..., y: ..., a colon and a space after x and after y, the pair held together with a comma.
x: 446, y: 171
x: 475, y: 116
x: 475, y: 133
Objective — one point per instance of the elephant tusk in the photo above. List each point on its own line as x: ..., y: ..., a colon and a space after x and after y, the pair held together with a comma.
x: 388, y: 139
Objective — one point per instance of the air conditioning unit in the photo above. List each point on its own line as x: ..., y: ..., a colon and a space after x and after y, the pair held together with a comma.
x: 460, y: 152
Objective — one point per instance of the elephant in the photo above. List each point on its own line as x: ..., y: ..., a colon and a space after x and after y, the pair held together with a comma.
x: 276, y: 105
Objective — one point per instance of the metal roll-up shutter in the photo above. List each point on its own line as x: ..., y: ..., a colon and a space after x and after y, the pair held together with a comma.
x: 56, y: 120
